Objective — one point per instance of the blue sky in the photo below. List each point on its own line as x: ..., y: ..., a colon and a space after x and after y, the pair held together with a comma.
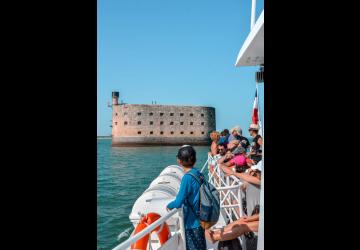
x: 175, y: 52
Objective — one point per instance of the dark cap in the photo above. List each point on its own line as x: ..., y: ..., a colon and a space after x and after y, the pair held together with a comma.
x: 187, y: 155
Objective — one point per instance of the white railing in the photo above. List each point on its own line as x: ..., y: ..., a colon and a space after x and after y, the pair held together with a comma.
x: 134, y: 238
x: 229, y: 189
x: 205, y: 164
x: 230, y: 193
x: 126, y: 244
x: 230, y: 204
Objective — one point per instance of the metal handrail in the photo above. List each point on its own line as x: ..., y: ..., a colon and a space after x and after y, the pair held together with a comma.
x: 126, y: 244
x: 146, y: 231
x: 225, y: 189
x: 202, y: 169
x: 228, y: 187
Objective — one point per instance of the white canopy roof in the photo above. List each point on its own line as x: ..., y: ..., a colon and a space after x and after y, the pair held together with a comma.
x: 252, y: 51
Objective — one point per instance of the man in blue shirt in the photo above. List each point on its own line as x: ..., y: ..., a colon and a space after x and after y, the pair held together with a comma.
x: 189, y: 198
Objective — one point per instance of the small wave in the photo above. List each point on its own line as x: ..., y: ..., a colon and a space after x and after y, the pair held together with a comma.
x: 125, y: 234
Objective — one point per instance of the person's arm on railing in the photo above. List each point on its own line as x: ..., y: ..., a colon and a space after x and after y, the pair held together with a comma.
x: 243, y: 176
x: 248, y: 178
x: 251, y: 218
x: 183, y: 193
x: 254, y: 217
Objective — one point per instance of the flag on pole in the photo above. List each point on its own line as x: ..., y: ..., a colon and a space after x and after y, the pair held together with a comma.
x: 255, y: 115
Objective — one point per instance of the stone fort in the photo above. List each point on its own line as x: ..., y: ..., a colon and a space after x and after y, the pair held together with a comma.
x: 141, y: 124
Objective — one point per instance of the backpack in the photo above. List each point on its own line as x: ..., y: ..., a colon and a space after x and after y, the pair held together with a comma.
x: 209, y: 203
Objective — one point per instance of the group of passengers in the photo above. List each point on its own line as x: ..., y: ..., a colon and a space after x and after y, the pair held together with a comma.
x: 234, y: 155
x: 229, y: 145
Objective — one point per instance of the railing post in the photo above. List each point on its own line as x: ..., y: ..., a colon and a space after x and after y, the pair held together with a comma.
x: 182, y: 227
x: 228, y: 199
x: 241, y: 212
x: 207, y: 162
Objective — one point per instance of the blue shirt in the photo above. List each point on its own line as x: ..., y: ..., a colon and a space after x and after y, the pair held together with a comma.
x: 223, y: 140
x: 189, y: 194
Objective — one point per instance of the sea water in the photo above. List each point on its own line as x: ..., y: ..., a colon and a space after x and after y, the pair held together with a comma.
x: 123, y: 174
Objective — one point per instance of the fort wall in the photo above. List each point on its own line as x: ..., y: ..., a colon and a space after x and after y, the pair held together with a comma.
x: 136, y: 124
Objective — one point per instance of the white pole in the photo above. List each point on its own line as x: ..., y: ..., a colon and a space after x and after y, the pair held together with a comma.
x: 253, y: 11
x: 260, y: 245
x: 258, y: 106
x: 202, y: 169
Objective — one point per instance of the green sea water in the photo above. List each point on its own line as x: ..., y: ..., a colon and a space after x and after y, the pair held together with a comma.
x: 123, y: 174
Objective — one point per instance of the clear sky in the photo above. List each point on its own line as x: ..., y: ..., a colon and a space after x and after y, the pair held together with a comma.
x: 176, y: 52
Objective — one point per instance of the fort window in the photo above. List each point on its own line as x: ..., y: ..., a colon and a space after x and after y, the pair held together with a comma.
x: 116, y: 114
x: 161, y: 123
x: 191, y: 114
x: 115, y: 123
x: 191, y: 123
x: 139, y: 132
x: 202, y: 115
x: 191, y: 132
x: 182, y: 132
x: 162, y: 132
x: 171, y: 123
x: 172, y: 132
x: 125, y: 113
x: 125, y: 123
x: 181, y: 123
x: 171, y: 114
x: 151, y: 113
x: 202, y: 123
x: 202, y: 132
x: 151, y: 123
x: 139, y: 122
x: 181, y: 114
x: 161, y: 114
x: 151, y: 132
x: 139, y: 113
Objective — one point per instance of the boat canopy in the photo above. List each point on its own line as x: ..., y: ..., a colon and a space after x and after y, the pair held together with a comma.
x: 252, y: 51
